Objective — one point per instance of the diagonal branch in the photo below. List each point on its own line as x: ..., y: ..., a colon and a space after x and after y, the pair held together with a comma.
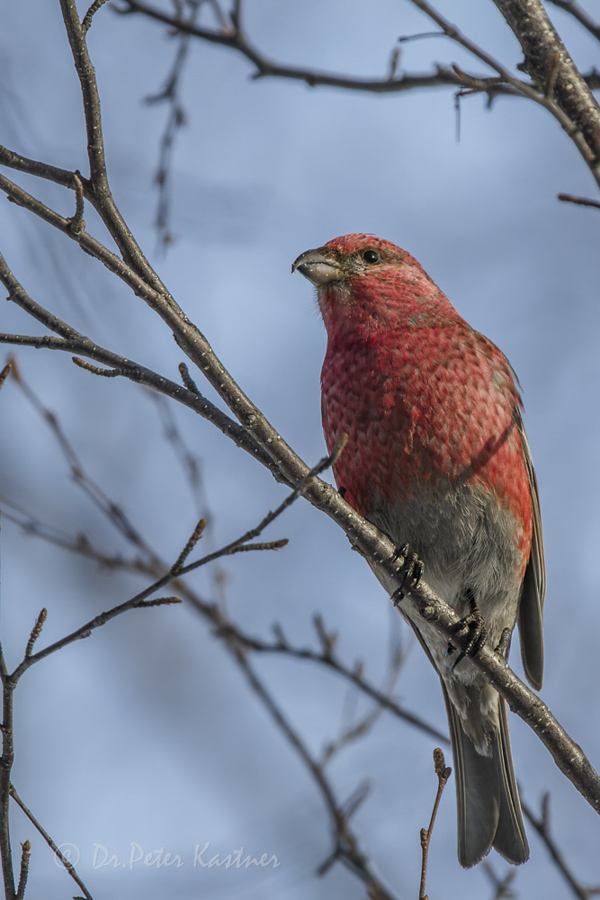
x: 542, y: 826
x: 536, y: 40
x: 56, y: 850
x: 98, y: 188
x: 72, y: 341
x: 541, y: 46
x: 346, y: 848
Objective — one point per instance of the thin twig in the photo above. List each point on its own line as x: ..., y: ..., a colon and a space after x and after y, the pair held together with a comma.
x: 76, y: 223
x: 541, y: 824
x: 98, y: 188
x: 187, y: 378
x: 364, y: 725
x: 193, y: 540
x: 443, y: 773
x: 96, y: 370
x: 579, y: 201
x: 346, y: 848
x: 139, y: 600
x: 72, y: 341
x: 35, y: 632
x: 87, y: 19
x: 188, y: 460
x: 25, y: 856
x: 68, y: 865
x: 175, y: 121
x: 502, y: 886
x: 237, y: 40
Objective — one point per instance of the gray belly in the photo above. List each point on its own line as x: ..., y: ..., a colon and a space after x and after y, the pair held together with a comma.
x: 467, y: 544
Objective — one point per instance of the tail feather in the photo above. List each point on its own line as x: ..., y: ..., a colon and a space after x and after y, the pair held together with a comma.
x: 488, y: 806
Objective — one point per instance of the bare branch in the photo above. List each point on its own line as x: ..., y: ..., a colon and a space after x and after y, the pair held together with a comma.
x: 578, y: 128
x: 87, y: 19
x: 34, y: 167
x: 235, y: 39
x: 579, y: 201
x: 365, y: 724
x: 35, y: 632
x: 443, y: 773
x: 68, y: 865
x: 75, y: 342
x: 96, y: 370
x: 346, y: 848
x: 6, y: 764
x: 327, y: 658
x: 175, y: 120
x: 236, y: 546
x: 25, y: 856
x: 97, y: 622
x: 501, y: 885
x: 540, y: 42
x: 98, y: 187
x: 579, y: 13
x: 194, y: 538
x: 76, y: 222
x: 541, y: 824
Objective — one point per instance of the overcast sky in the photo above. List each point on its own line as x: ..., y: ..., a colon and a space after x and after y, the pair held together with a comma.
x: 146, y: 735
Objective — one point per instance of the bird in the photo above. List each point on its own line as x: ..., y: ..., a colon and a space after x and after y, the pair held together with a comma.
x: 437, y: 458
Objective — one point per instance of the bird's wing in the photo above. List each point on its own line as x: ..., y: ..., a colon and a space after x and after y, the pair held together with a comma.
x: 534, y: 582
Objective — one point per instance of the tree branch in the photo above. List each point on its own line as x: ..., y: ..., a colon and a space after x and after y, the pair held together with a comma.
x: 235, y: 39
x: 541, y: 45
x: 542, y: 826
x: 73, y: 341
x: 579, y: 13
x: 66, y: 863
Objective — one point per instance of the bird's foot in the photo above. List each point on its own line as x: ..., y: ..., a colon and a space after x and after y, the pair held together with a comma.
x: 473, y: 627
x: 413, y: 569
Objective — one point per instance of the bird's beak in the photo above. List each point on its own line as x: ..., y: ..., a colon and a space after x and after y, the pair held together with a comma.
x: 319, y: 266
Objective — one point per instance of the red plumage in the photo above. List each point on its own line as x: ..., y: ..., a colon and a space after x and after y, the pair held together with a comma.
x: 437, y: 457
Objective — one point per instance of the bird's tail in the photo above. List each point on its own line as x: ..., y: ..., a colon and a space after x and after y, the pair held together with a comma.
x: 488, y: 805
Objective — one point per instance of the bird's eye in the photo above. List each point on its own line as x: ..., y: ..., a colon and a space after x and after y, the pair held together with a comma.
x: 370, y: 256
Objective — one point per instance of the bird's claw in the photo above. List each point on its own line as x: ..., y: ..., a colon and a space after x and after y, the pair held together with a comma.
x: 413, y: 571
x: 504, y: 643
x: 473, y: 627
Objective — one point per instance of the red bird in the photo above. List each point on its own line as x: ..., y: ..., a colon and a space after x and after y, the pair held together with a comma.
x: 437, y: 458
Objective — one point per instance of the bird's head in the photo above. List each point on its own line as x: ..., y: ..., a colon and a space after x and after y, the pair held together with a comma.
x: 346, y: 258
x: 360, y: 276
